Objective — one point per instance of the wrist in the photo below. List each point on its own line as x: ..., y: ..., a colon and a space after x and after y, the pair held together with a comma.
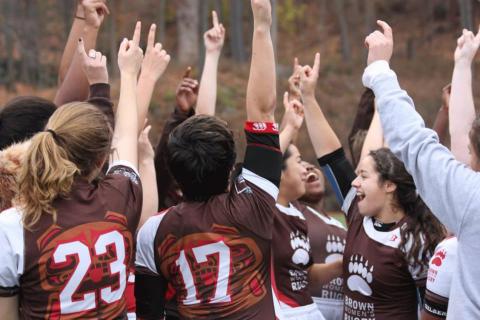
x: 146, y: 160
x: 128, y: 76
x: 463, y: 63
x: 308, y: 96
x: 147, y: 79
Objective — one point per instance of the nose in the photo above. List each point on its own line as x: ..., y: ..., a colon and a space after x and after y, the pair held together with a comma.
x: 356, y: 182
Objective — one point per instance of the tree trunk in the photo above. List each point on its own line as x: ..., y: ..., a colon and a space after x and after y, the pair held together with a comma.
x: 10, y: 11
x: 370, y: 14
x: 205, y: 18
x: 112, y: 36
x: 29, y: 42
x: 345, y: 42
x: 161, y: 21
x: 187, y: 28
x: 236, y: 24
x: 466, y: 14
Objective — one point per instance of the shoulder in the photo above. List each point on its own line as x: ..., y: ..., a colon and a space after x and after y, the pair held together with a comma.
x: 125, y: 170
x: 248, y: 179
x: 310, y: 212
x: 442, y: 266
x: 11, y: 222
x: 145, y: 256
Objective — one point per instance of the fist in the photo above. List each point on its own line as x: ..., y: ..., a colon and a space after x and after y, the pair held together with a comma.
x: 94, y: 12
x: 262, y: 12
x: 130, y: 55
x: 156, y: 59
x: 467, y: 46
x: 94, y: 64
x: 294, y: 81
x: 187, y: 92
x: 380, y: 44
x: 145, y: 149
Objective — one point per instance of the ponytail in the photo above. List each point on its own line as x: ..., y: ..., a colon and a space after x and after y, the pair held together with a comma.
x: 77, y: 139
x: 47, y: 174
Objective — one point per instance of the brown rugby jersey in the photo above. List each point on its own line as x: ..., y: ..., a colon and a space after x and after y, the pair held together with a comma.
x: 216, y: 254
x: 327, y: 239
x: 378, y: 281
x: 292, y: 257
x: 77, y: 267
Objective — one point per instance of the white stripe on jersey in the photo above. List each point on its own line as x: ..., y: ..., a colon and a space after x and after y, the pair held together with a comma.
x: 352, y: 193
x: 260, y: 182
x: 328, y: 220
x: 12, y: 244
x: 145, y: 256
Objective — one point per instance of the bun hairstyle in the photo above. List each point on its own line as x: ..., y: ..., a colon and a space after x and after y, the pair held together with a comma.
x: 423, y: 232
x: 76, y: 140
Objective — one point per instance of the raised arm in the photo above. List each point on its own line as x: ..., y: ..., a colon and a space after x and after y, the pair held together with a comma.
x: 292, y: 119
x: 146, y: 168
x: 440, y: 125
x: 323, y: 138
x: 261, y: 89
x: 447, y: 187
x: 73, y: 85
x: 125, y: 138
x: 154, y: 64
x: 374, y: 138
x: 462, y: 110
x: 207, y: 95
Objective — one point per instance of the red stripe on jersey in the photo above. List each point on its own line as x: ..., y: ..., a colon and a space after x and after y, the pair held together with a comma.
x: 261, y: 127
x: 264, y: 146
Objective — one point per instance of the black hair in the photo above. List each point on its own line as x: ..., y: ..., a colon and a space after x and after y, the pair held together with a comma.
x: 201, y: 155
x: 287, y: 154
x: 23, y: 117
x: 423, y: 231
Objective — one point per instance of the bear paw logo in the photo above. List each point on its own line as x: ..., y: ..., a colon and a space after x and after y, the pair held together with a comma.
x: 334, y: 246
x: 301, y: 247
x: 439, y: 257
x: 360, y: 276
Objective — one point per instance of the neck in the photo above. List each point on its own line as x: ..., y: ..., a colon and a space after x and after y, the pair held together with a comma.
x: 283, y: 200
x: 318, y: 206
x: 390, y: 215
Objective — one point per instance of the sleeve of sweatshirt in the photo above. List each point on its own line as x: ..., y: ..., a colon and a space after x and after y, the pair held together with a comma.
x: 448, y: 187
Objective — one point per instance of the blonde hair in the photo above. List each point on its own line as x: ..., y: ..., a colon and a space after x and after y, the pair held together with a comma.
x: 76, y: 138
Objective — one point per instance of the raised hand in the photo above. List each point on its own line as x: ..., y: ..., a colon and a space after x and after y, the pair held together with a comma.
x: 145, y: 149
x: 467, y: 46
x: 380, y: 44
x: 215, y: 37
x: 262, y: 13
x: 156, y: 59
x: 94, y: 12
x: 130, y: 55
x: 294, y: 112
x: 187, y: 92
x: 94, y: 64
x: 309, y: 77
x: 294, y: 81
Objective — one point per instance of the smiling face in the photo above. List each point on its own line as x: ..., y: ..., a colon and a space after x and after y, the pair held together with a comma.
x: 314, y: 184
x: 294, y: 174
x: 374, y: 195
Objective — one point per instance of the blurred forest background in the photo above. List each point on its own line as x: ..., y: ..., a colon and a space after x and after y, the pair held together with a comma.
x: 33, y: 34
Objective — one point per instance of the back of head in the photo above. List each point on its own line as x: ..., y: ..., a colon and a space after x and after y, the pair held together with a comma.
x: 76, y: 141
x: 424, y: 231
x: 363, y: 118
x: 22, y: 117
x: 200, y: 155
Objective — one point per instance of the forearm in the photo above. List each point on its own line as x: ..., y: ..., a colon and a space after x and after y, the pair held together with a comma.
x: 286, y: 137
x: 70, y: 47
x: 440, y: 126
x: 461, y: 111
x: 324, y: 139
x: 75, y: 85
x: 146, y: 168
x: 261, y: 89
x: 374, y: 138
x: 126, y: 130
x: 322, y: 273
x: 207, y: 93
x: 145, y: 89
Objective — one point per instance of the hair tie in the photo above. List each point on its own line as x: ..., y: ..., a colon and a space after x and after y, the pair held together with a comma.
x: 54, y: 134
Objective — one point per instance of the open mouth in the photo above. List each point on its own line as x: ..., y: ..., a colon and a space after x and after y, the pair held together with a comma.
x: 360, y: 196
x: 312, y: 177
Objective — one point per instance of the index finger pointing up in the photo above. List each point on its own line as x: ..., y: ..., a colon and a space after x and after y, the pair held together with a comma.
x: 215, y: 19
x: 387, y: 30
x: 316, y: 64
x: 151, y: 36
x: 136, y: 33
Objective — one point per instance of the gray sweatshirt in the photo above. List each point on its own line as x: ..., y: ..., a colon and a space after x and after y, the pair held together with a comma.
x: 449, y: 188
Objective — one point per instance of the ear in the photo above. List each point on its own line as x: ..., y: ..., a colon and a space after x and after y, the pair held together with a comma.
x: 389, y: 186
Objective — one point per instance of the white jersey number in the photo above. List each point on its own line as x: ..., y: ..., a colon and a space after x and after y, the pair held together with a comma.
x: 201, y: 255
x: 77, y: 248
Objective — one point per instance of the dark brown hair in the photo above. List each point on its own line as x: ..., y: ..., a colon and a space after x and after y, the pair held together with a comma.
x: 200, y: 155
x: 422, y: 232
